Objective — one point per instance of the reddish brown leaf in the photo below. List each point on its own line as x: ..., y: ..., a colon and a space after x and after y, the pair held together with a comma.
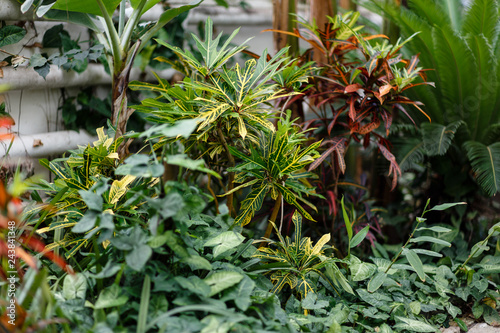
x: 338, y: 145
x: 368, y: 128
x: 352, y: 88
x: 385, y: 89
x: 394, y: 169
x: 352, y: 110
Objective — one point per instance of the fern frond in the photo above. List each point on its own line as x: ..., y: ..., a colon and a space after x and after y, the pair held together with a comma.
x: 437, y: 138
x: 485, y: 161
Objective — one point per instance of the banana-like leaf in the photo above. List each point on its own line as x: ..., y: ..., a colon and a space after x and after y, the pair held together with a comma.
x: 437, y: 138
x: 86, y: 6
x: 485, y: 161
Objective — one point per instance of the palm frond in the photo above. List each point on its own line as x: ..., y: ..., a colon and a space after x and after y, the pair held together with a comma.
x: 481, y: 18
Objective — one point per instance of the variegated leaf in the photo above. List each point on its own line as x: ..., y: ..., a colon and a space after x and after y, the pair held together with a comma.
x: 251, y: 204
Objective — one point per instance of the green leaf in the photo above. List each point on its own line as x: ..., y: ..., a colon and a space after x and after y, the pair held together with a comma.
x: 37, y: 60
x: 184, y: 161
x: 435, y: 229
x: 194, y: 285
x: 485, y: 161
x: 346, y: 220
x: 430, y: 239
x: 415, y: 307
x: 142, y: 316
x: 447, y: 206
x: 220, y: 281
x: 86, y: 223
x: 251, y: 204
x: 138, y: 257
x: 74, y: 286
x: 437, y: 138
x: 489, y: 269
x: 241, y: 293
x: 362, y: 271
x: 413, y: 325
x: 224, y: 242
x: 461, y: 324
x: 428, y: 253
x: 110, y: 297
x: 482, y: 18
x: 11, y: 34
x: 376, y: 281
x: 166, y: 17
x: 415, y: 262
x: 86, y: 6
x: 358, y: 238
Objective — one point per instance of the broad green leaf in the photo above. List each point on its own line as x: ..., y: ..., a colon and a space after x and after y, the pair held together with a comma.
x: 225, y: 241
x: 377, y: 300
x: 197, y: 262
x: 11, y: 34
x: 110, y: 297
x: 415, y: 262
x: 86, y: 6
x: 86, y: 223
x: 220, y: 281
x: 430, y: 239
x: 362, y: 271
x: 485, y: 161
x: 376, y: 281
x: 138, y: 257
x: 359, y: 237
x: 74, y: 286
x: 489, y: 269
x: 413, y: 325
x: 447, y: 205
x: 241, y: 293
x: 166, y: 17
x: 194, y: 284
x: 415, y: 307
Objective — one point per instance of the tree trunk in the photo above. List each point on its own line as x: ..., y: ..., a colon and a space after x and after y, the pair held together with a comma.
x: 282, y: 20
x: 320, y: 9
x: 121, y: 113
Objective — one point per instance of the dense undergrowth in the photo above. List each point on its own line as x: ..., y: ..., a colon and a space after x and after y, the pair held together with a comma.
x: 242, y: 213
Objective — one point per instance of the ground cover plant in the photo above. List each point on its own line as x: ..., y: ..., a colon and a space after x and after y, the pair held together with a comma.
x: 177, y: 237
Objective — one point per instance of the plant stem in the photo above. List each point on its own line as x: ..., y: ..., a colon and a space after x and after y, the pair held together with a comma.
x: 209, y: 187
x: 230, y: 185
x: 114, y: 39
x: 419, y: 221
x: 483, y: 243
x: 121, y: 22
x: 131, y: 24
x: 274, y: 214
